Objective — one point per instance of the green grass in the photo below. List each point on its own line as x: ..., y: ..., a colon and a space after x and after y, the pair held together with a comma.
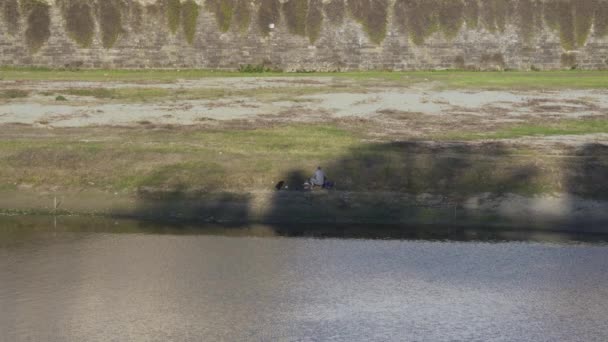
x: 13, y: 94
x: 242, y: 160
x: 575, y: 79
x: 563, y: 127
x: 151, y: 93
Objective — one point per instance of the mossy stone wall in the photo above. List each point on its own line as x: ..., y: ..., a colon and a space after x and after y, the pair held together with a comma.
x: 306, y: 34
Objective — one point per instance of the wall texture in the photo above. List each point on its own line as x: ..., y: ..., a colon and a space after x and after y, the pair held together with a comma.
x: 306, y: 34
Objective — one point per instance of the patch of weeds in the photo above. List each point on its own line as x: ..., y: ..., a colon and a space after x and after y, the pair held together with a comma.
x: 174, y: 14
x: 334, y: 11
x: 419, y: 18
x: 60, y: 98
x: 79, y: 22
x: 13, y: 93
x: 190, y: 12
x: 372, y: 15
x: 242, y: 15
x: 100, y: 93
x: 314, y: 20
x: 110, y: 22
x: 38, y: 23
x: 10, y: 12
x: 250, y: 68
x: 223, y: 11
x: 294, y: 12
x: 268, y: 13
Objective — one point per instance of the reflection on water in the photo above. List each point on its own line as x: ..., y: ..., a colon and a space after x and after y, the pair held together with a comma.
x: 101, y: 280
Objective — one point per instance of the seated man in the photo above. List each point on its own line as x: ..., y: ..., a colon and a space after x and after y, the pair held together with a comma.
x: 318, y: 179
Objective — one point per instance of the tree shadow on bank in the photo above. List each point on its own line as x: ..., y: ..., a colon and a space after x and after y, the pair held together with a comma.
x: 407, y: 190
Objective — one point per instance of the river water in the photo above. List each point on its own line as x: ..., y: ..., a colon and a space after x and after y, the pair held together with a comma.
x: 100, y: 280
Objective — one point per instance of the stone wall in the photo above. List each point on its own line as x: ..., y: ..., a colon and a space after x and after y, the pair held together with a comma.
x: 306, y: 34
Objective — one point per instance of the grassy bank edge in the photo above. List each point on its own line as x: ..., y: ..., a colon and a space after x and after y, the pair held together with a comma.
x: 558, y: 79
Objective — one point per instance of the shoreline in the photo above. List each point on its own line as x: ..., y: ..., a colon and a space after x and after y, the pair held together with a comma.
x: 552, y: 213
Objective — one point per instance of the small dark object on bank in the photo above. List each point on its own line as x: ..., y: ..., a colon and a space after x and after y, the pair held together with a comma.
x: 60, y: 98
x: 279, y: 185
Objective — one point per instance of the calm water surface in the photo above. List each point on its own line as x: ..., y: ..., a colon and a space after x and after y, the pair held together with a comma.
x: 124, y: 281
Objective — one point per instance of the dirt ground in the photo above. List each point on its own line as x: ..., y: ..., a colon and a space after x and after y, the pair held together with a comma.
x: 418, y: 110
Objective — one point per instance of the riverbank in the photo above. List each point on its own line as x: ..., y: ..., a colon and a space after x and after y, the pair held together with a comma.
x: 402, y: 148
x: 549, y: 213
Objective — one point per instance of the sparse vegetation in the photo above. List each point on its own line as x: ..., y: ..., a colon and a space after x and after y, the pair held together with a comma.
x: 373, y: 17
x: 38, y: 23
x: 223, y: 11
x: 242, y: 15
x: 314, y: 20
x: 494, y: 14
x: 579, y: 79
x: 110, y: 22
x: 268, y: 13
x: 174, y: 14
x: 190, y: 12
x: 137, y: 16
x: 10, y: 12
x: 471, y: 13
x: 601, y: 19
x: 562, y: 127
x: 13, y: 93
x: 451, y: 17
x: 79, y: 22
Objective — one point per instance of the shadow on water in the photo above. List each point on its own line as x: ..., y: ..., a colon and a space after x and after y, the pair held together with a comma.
x: 20, y: 230
x: 401, y: 190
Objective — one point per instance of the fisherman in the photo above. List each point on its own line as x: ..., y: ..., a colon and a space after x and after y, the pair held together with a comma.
x: 318, y: 179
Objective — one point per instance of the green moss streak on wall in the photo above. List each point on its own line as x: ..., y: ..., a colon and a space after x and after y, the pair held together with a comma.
x: 573, y: 20
x: 314, y: 20
x: 372, y: 15
x: 294, y: 12
x: 471, y: 13
x: 223, y: 10
x: 38, y: 23
x: 494, y: 14
x: 242, y: 15
x: 566, y: 25
x: 334, y: 11
x: 110, y: 22
x: 190, y: 11
x: 137, y: 16
x: 583, y: 19
x: 268, y: 13
x: 421, y: 18
x: 79, y: 22
x: 174, y: 14
x: 10, y: 12
x: 601, y: 19
x: 451, y: 17
x: 526, y: 18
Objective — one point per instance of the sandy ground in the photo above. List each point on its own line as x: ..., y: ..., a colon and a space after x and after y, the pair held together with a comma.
x: 386, y: 105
